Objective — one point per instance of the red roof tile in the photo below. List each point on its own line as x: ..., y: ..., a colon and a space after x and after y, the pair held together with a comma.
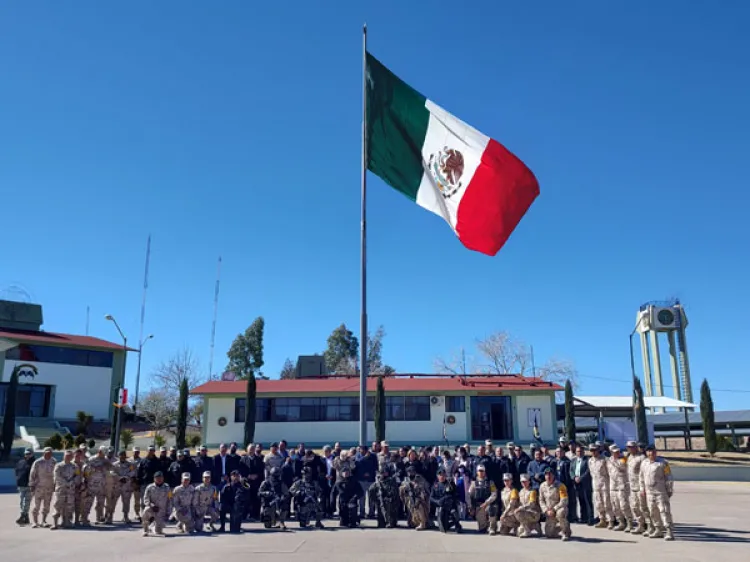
x: 52, y: 338
x: 399, y: 383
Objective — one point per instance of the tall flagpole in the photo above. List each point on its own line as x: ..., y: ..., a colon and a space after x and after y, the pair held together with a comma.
x: 363, y: 320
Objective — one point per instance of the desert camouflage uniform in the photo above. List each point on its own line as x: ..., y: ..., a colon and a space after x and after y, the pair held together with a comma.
x: 527, y: 512
x: 555, y: 497
x: 637, y: 502
x: 482, y: 499
x: 415, y: 497
x: 204, y: 504
x: 658, y: 485
x: 619, y: 491
x: 122, y: 474
x: 508, y: 520
x: 98, y: 469
x: 42, y: 484
x: 182, y: 501
x: 600, y: 488
x: 67, y: 478
x: 157, y: 503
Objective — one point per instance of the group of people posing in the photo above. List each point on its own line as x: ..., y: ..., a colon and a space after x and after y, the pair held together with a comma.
x: 507, y: 494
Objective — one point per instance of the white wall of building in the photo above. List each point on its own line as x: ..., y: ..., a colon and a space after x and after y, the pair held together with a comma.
x: 416, y: 432
x: 77, y: 388
x: 524, y: 428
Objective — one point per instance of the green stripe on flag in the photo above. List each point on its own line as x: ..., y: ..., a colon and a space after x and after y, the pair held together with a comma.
x: 397, y: 121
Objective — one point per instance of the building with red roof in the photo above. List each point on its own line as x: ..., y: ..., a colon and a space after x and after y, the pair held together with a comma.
x: 420, y: 408
x: 60, y: 373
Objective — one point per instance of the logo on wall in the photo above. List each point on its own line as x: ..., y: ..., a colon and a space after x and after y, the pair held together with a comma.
x: 27, y: 371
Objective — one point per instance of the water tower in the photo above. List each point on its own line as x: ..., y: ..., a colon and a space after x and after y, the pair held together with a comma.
x: 655, y: 318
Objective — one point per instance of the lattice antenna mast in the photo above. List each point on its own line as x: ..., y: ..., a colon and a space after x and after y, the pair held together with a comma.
x: 213, y: 326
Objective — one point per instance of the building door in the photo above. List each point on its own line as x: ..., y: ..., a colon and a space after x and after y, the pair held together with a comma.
x: 491, y: 418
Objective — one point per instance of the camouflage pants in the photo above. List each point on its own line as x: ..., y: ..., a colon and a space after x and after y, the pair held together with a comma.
x: 24, y: 498
x: 508, y: 523
x: 621, y: 505
x: 65, y: 505
x: 603, y: 504
x: 159, y: 519
x: 83, y: 505
x: 660, y: 509
x: 98, y: 493
x: 200, y: 514
x: 528, y: 517
x: 185, y: 519
x: 136, y: 493
x: 123, y: 494
x: 418, y: 513
x: 486, y: 519
x: 554, y: 525
x: 42, y: 500
x: 639, y: 508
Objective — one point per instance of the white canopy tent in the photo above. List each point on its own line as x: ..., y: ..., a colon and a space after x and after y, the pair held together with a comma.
x: 624, y: 402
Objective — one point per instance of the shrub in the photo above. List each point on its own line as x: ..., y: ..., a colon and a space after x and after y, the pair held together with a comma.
x: 91, y: 443
x: 68, y: 441
x: 80, y: 440
x: 724, y: 444
x: 55, y: 441
x: 159, y: 440
x: 83, y: 422
x: 126, y: 438
x: 194, y: 440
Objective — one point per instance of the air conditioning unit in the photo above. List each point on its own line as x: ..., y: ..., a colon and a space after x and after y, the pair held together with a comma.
x: 664, y: 319
x: 436, y: 400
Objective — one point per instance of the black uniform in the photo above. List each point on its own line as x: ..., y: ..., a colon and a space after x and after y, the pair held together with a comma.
x: 444, y: 497
x: 349, y: 492
x: 306, y: 492
x: 274, y: 495
x: 233, y: 504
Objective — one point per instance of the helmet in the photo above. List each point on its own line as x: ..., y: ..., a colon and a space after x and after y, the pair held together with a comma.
x: 275, y: 473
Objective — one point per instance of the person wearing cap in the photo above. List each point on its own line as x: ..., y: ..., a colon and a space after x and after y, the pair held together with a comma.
x: 205, y: 504
x: 657, y: 485
x: 183, y: 498
x: 66, y: 477
x: 483, y: 501
x: 81, y: 492
x: 42, y: 485
x: 637, y: 502
x: 527, y: 513
x: 562, y: 472
x: 384, y: 455
x: 553, y: 502
x: 135, y: 484
x: 444, y: 497
x: 164, y: 461
x: 581, y: 482
x: 600, y: 488
x: 97, y: 474
x: 510, y: 502
x: 123, y: 472
x: 147, y: 468
x: 619, y: 489
x: 23, y: 471
x: 273, y: 458
x: 202, y: 462
x: 157, y: 505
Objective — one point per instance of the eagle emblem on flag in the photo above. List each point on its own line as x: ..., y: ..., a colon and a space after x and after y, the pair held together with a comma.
x: 446, y: 167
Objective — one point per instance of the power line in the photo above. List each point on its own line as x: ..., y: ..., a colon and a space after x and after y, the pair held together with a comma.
x: 665, y: 386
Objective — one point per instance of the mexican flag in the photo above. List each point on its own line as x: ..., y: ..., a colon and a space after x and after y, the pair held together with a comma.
x: 476, y: 184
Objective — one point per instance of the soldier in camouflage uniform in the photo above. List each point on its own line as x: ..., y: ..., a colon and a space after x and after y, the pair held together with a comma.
x: 122, y: 473
x: 553, y: 502
x: 510, y: 501
x: 42, y: 486
x: 527, y: 512
x: 182, y: 502
x: 619, y: 489
x: 157, y: 505
x: 66, y: 477
x: 81, y: 493
x: 385, y: 493
x: 600, y: 487
x: 204, y: 503
x: 657, y: 485
x: 306, y: 492
x: 415, y: 497
x: 97, y: 478
x: 637, y: 502
x: 482, y: 500
x: 274, y: 496
x: 135, y: 488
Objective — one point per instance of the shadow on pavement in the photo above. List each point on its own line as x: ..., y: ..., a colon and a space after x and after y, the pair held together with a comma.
x: 594, y: 540
x: 701, y: 533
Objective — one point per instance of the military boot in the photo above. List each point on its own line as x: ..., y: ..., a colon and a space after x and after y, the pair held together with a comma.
x: 611, y: 525
x: 638, y: 530
x: 657, y: 534
x: 622, y: 525
x: 628, y: 526
x: 669, y: 536
x: 20, y: 520
x: 601, y: 525
x: 55, y: 524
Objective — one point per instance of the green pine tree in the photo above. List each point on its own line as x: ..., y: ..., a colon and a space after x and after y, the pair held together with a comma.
x: 380, y: 411
x: 707, y: 416
x: 640, y: 411
x: 570, y: 418
x: 9, y: 418
x: 250, y: 410
x: 182, y: 415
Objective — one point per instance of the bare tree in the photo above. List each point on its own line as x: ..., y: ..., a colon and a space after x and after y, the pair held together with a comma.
x: 456, y: 365
x: 558, y: 371
x: 159, y: 407
x: 169, y: 374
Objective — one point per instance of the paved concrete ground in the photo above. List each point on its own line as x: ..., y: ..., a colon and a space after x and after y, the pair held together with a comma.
x: 713, y: 522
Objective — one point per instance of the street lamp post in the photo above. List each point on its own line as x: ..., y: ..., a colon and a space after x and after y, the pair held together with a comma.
x: 138, y: 373
x: 118, y: 411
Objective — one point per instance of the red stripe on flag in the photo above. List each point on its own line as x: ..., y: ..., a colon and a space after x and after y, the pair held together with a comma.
x: 500, y: 193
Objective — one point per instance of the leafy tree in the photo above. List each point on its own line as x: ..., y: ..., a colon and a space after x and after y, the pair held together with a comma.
x: 375, y: 365
x: 380, y: 410
x: 182, y: 415
x: 341, y: 353
x: 9, y: 418
x: 570, y: 417
x: 640, y: 411
x: 246, y: 353
x: 250, y: 411
x: 288, y: 371
x: 707, y: 416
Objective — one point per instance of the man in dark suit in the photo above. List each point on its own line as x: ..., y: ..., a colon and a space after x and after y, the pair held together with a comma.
x: 224, y: 464
x: 581, y: 479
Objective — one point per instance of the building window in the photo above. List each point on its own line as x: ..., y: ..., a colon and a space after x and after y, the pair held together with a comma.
x: 261, y: 410
x: 32, y: 400
x: 60, y: 355
x: 455, y: 404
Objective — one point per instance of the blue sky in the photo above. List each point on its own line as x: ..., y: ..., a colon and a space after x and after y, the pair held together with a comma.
x: 233, y: 129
